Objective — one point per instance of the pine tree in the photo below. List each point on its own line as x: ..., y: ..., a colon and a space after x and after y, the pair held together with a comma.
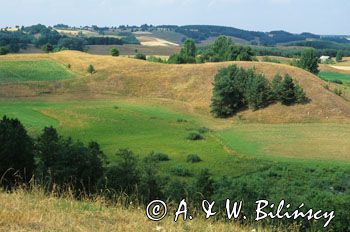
x: 258, y: 92
x: 288, y: 91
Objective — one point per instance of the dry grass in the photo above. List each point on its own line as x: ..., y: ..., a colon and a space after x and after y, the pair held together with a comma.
x: 23, y: 211
x: 191, y: 83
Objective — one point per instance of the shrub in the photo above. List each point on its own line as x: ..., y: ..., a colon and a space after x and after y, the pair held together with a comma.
x: 47, y: 48
x: 140, y: 56
x: 69, y: 66
x: 338, y: 92
x: 3, y: 51
x: 195, y: 136
x: 114, y: 52
x: 193, y: 158
x: 158, y: 157
x: 155, y: 59
x: 181, y: 171
x: 91, y: 69
x: 180, y: 120
x: 203, y: 130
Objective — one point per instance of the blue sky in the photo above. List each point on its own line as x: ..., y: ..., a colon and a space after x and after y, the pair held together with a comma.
x: 317, y: 16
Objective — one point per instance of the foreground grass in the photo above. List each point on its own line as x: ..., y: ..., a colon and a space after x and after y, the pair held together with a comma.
x: 39, y: 70
x: 23, y: 211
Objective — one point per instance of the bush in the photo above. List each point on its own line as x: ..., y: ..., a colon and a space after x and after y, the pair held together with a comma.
x: 195, y: 136
x: 91, y: 69
x: 155, y: 59
x: 181, y: 171
x: 47, y: 48
x: 140, y: 56
x: 4, y: 51
x: 193, y: 158
x: 203, y: 130
x: 158, y: 157
x: 338, y: 92
x: 114, y: 52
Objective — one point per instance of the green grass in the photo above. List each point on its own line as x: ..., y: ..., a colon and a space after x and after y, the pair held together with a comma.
x: 142, y: 128
x: 306, y: 142
x: 331, y: 76
x: 146, y: 127
x: 24, y: 71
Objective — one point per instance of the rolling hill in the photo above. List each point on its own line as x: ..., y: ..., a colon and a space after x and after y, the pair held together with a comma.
x: 185, y: 83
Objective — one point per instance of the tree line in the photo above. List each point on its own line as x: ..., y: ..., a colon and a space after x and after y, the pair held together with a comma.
x: 49, y: 39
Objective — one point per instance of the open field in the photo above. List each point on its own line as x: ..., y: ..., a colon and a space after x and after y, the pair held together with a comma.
x: 308, y: 141
x: 147, y: 40
x: 39, y: 70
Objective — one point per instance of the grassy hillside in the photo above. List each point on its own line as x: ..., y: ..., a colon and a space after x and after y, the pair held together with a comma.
x: 32, y: 70
x: 187, y: 83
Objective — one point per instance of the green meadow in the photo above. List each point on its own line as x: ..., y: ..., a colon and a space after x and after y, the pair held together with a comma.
x: 331, y: 76
x: 145, y: 127
x: 142, y: 128
x: 39, y: 70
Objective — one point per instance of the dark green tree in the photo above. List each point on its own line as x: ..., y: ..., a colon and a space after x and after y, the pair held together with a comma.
x: 300, y: 95
x: 68, y: 164
x: 228, y: 91
x: 189, y: 49
x: 258, y: 92
x: 3, y: 51
x: 16, y: 153
x: 114, y: 52
x: 277, y: 87
x: 339, y: 56
x: 125, y: 175
x: 309, y: 61
x: 288, y: 91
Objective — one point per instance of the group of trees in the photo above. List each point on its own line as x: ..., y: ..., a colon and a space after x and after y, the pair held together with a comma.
x: 236, y: 89
x: 223, y: 49
x: 308, y: 61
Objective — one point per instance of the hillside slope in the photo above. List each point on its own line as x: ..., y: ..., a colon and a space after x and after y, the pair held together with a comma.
x: 191, y: 83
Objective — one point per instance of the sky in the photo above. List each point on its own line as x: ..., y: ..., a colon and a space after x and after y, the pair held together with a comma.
x: 326, y: 17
